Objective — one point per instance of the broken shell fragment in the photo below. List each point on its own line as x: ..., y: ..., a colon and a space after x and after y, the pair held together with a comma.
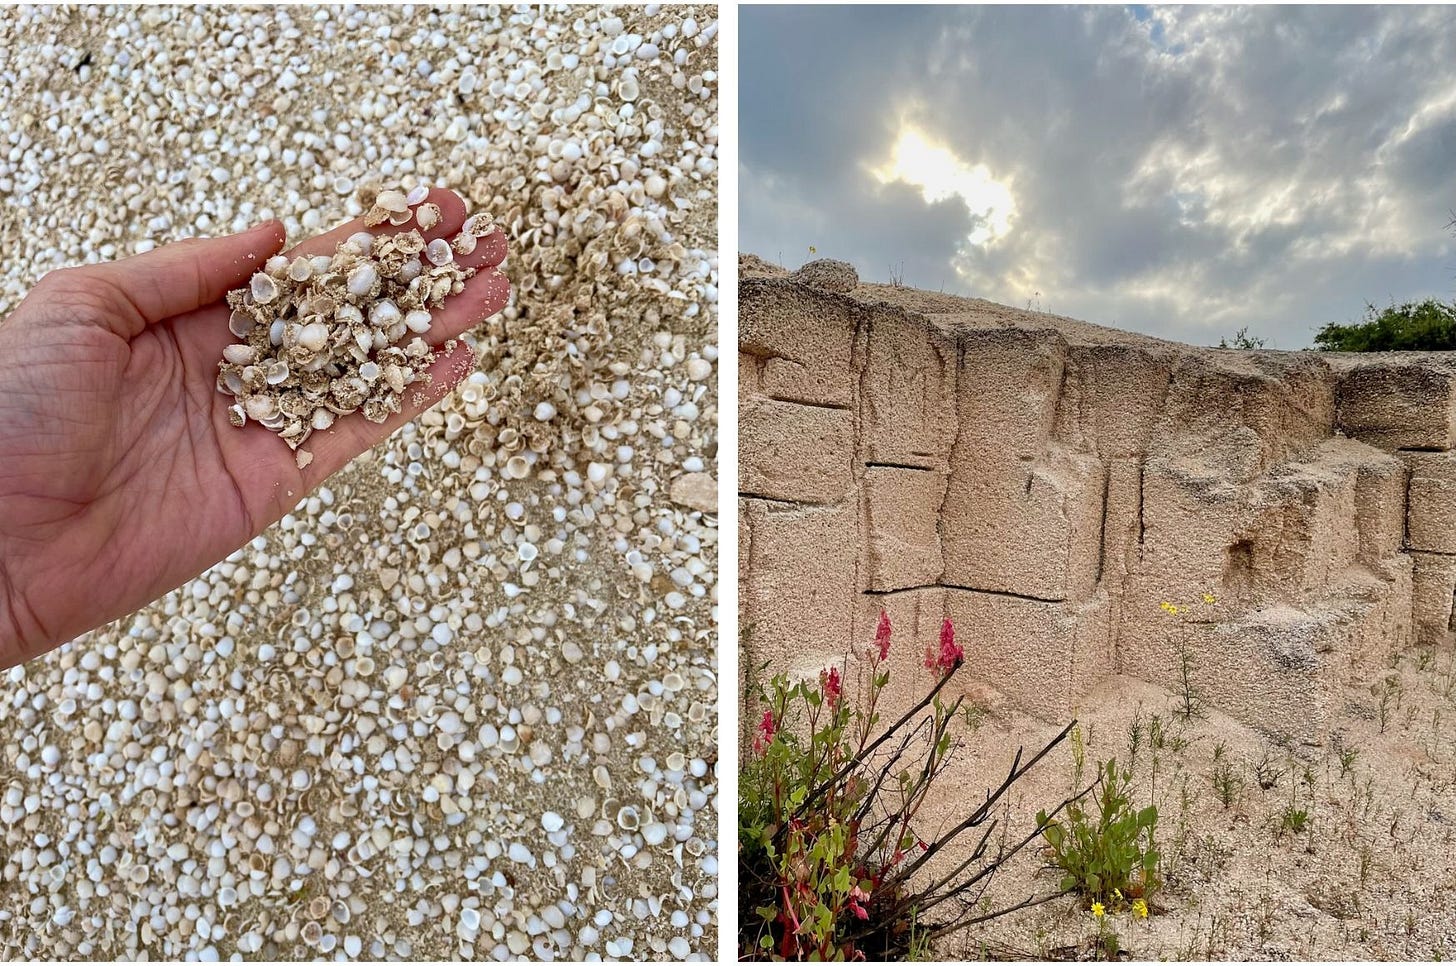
x: 478, y: 225
x: 464, y: 243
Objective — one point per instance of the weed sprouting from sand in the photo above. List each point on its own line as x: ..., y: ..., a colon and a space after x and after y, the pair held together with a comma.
x: 1347, y: 757
x: 1135, y: 735
x: 1225, y: 783
x: 1106, y: 848
x: 1266, y: 773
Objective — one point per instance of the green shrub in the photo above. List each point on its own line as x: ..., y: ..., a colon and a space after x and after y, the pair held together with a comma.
x: 1107, y: 851
x: 1427, y: 325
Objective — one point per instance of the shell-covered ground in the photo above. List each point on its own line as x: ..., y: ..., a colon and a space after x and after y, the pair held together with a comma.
x: 446, y: 708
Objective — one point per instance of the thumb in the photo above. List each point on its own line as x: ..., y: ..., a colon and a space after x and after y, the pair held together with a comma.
x: 189, y: 274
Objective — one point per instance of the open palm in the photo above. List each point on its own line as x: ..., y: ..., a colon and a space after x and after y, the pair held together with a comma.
x: 120, y: 475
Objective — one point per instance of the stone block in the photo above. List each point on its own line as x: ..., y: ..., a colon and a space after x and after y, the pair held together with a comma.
x: 1042, y: 656
x: 902, y: 514
x: 1237, y: 416
x: 1253, y: 543
x: 1433, y: 590
x: 805, y: 336
x: 1380, y: 511
x: 1006, y: 392
x: 907, y: 390
x: 797, y: 453
x: 1431, y: 502
x: 1399, y: 405
x: 1026, y: 527
x: 1112, y: 398
x: 799, y: 586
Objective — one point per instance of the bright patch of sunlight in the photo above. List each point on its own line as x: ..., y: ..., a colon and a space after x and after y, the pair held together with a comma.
x: 940, y: 175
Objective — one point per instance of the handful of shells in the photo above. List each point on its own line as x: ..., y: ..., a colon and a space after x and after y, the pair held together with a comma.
x: 322, y: 336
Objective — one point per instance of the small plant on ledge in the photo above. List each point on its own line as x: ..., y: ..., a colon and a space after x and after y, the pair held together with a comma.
x: 832, y: 861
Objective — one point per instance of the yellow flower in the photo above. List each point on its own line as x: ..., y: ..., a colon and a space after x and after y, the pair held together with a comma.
x: 1208, y: 598
x: 1140, y: 908
x: 813, y: 250
x: 1169, y: 607
x: 1097, y: 910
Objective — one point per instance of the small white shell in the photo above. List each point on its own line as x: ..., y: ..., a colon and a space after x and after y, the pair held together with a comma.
x: 410, y: 270
x: 361, y: 241
x: 427, y: 216
x: 240, y: 324
x: 313, y: 336
x: 301, y: 269
x: 384, y: 313
x: 417, y: 321
x: 275, y: 264
x: 363, y: 279
x: 392, y: 201
x: 264, y: 288
x: 438, y: 252
x: 277, y: 373
x: 417, y: 194
x: 321, y: 419
x: 240, y: 355
x: 369, y: 371
x: 627, y: 818
x: 261, y: 407
x: 464, y: 243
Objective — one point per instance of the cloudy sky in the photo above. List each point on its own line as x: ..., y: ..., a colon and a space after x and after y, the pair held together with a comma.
x: 1178, y: 171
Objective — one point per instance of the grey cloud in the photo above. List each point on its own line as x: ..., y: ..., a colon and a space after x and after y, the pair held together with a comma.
x: 1281, y: 131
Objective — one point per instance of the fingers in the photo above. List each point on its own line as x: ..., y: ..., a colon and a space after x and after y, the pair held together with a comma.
x: 452, y: 216
x: 173, y: 279
x: 485, y: 294
x: 334, y: 447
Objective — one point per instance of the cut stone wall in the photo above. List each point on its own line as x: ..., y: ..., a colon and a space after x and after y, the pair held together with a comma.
x: 1049, y: 485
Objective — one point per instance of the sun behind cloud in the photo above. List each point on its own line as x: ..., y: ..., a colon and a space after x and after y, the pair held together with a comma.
x: 918, y: 161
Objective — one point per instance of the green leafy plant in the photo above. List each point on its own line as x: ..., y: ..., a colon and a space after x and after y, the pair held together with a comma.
x: 1293, y: 819
x: 1426, y: 325
x: 1106, y: 849
x: 1242, y: 340
x: 832, y: 860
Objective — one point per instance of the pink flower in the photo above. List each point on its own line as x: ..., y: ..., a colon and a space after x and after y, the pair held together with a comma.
x: 829, y: 681
x: 765, y: 733
x: 856, y: 896
x: 950, y: 655
x: 882, y: 635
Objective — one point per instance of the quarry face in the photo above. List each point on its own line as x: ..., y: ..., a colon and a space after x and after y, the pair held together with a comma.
x: 1084, y: 502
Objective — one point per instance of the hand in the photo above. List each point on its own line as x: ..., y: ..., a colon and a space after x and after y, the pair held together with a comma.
x: 120, y: 475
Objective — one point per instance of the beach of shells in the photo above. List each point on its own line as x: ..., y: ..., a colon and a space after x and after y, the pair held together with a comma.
x: 461, y: 702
